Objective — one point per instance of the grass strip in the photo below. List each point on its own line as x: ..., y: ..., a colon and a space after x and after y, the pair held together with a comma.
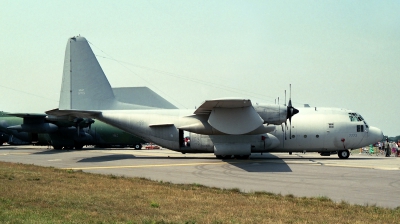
x: 34, y: 194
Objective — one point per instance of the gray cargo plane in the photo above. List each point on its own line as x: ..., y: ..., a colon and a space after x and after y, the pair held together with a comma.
x: 225, y: 127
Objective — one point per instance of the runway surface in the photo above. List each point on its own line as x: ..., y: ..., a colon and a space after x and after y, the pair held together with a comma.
x: 361, y: 179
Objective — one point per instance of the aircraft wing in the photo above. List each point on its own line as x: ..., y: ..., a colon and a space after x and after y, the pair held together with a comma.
x: 231, y: 116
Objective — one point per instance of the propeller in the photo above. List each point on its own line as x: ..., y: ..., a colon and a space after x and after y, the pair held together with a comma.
x: 77, y: 122
x: 82, y: 123
x: 89, y: 123
x: 291, y: 111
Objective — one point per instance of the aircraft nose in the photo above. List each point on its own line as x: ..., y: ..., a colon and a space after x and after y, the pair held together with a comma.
x: 375, y: 134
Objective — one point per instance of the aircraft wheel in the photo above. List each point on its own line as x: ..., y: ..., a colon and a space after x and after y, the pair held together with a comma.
x: 78, y: 146
x: 344, y: 154
x: 227, y: 156
x: 138, y: 146
x: 218, y: 156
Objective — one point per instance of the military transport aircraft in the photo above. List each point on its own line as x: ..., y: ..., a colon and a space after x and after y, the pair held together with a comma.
x: 224, y: 127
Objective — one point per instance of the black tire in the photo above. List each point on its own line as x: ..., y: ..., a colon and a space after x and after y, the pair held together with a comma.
x: 138, y: 146
x: 344, y: 154
x: 78, y: 146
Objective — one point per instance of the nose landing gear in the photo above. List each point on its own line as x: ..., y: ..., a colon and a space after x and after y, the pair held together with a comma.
x: 344, y: 154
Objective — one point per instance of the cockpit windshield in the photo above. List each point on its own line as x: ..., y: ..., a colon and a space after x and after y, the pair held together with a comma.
x: 354, y: 117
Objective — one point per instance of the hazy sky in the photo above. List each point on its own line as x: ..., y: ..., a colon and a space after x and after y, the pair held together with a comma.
x: 334, y: 53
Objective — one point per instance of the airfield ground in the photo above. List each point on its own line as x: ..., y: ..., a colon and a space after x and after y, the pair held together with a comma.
x: 361, y: 179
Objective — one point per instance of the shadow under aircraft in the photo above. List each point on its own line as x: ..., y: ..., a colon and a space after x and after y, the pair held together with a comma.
x: 260, y: 164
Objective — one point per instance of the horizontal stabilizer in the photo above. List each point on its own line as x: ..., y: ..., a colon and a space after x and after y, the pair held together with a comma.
x: 142, y: 96
x: 23, y: 115
x: 75, y: 113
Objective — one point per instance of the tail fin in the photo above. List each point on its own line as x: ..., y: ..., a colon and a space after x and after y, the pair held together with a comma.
x: 84, y: 84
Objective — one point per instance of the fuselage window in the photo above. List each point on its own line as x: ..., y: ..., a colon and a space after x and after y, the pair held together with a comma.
x: 293, y: 136
x: 330, y: 125
x: 305, y: 136
x: 360, y: 128
x: 317, y: 136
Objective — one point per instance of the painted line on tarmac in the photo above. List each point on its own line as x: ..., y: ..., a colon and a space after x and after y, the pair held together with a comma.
x: 364, y: 167
x: 316, y: 163
x: 15, y: 153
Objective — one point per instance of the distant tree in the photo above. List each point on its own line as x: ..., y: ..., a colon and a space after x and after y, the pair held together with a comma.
x: 394, y: 139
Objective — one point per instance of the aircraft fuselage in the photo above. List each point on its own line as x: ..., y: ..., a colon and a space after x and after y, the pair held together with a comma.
x: 313, y: 130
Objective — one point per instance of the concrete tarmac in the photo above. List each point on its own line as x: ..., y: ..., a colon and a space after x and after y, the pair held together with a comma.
x: 361, y: 179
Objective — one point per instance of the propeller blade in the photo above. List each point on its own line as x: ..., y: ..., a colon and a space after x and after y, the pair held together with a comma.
x: 285, y: 129
x: 290, y: 130
x: 291, y: 111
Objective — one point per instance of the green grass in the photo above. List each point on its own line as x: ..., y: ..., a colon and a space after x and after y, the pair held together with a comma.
x: 32, y: 194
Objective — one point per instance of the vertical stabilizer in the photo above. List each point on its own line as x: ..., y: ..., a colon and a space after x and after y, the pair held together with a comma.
x: 84, y: 84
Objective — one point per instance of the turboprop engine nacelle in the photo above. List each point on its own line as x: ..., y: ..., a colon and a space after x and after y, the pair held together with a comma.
x: 271, y: 113
x: 35, y: 128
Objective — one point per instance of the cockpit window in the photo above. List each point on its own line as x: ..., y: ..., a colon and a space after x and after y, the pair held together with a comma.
x: 354, y: 117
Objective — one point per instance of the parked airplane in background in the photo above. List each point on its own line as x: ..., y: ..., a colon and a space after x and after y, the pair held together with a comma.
x: 39, y: 129
x: 224, y: 127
